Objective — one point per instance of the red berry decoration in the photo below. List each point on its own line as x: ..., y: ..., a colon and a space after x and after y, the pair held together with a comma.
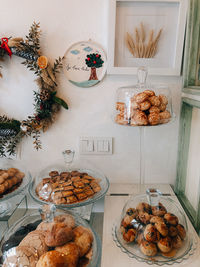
x: 97, y: 55
x: 94, y: 62
x: 88, y: 58
x: 37, y: 118
x: 41, y: 107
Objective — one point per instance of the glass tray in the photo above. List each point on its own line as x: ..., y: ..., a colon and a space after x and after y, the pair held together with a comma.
x: 133, y: 250
x: 104, y: 183
x: 5, y: 206
x: 34, y: 217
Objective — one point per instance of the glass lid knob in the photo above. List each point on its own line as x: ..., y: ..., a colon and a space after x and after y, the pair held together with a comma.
x: 142, y: 73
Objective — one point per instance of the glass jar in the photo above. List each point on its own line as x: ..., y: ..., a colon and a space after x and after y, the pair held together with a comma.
x: 143, y: 104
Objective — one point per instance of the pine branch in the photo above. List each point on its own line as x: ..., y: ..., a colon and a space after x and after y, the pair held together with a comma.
x: 57, y: 65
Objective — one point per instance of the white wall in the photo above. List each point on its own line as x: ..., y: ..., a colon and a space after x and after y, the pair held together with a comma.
x: 64, y: 22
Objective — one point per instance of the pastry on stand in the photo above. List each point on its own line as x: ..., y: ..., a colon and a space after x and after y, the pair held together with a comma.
x: 153, y: 229
x: 51, y: 238
x: 143, y: 105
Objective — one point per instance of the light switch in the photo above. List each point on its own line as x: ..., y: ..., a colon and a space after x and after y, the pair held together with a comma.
x: 105, y: 146
x: 96, y: 145
x: 90, y: 145
x: 100, y: 145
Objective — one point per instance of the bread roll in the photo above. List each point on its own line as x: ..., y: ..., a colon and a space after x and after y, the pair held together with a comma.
x: 71, y: 250
x: 83, y: 238
x: 58, y: 235
x: 148, y: 248
x: 165, y: 244
x: 52, y: 259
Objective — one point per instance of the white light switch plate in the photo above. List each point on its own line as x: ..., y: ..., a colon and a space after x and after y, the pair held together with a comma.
x: 95, y: 145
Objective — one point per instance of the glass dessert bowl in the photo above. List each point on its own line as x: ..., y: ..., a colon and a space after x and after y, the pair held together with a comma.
x: 50, y: 233
x: 14, y: 178
x: 153, y: 229
x: 68, y: 188
x: 143, y: 104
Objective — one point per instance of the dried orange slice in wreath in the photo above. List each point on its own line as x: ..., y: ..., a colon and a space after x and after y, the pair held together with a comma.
x: 46, y: 102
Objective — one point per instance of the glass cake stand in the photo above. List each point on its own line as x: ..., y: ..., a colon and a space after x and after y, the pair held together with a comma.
x: 28, y: 223
x: 103, y: 182
x: 133, y: 250
x: 5, y: 205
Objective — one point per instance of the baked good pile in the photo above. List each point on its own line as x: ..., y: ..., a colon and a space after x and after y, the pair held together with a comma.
x: 153, y: 229
x: 52, y: 244
x: 142, y: 109
x: 67, y: 187
x: 10, y: 179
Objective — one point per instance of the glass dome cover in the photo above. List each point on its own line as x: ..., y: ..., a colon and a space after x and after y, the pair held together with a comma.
x: 14, y: 188
x: 148, y: 230
x: 29, y: 223
x: 143, y: 104
x: 93, y: 179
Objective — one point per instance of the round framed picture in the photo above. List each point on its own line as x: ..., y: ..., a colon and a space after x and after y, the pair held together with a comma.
x: 85, y: 63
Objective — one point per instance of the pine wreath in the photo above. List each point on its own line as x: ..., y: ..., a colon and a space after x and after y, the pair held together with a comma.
x: 46, y: 102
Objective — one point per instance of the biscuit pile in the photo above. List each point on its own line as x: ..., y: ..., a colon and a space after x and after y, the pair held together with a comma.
x: 153, y: 229
x: 143, y: 109
x: 67, y: 187
x: 10, y: 179
x: 52, y: 244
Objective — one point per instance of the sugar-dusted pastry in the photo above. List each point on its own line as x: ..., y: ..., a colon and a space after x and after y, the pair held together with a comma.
x: 154, y: 109
x: 58, y: 235
x: 145, y: 105
x: 83, y: 238
x: 52, y: 259
x: 53, y: 173
x: 21, y: 256
x: 127, y: 220
x: 177, y: 242
x: 35, y: 240
x: 171, y: 218
x: 140, y: 238
x: 155, y: 101
x: 143, y: 206
x: 156, y: 219
x: 130, y: 235
x: 72, y: 253
x: 170, y: 254
x: 139, y: 118
x: 141, y: 97
x: 165, y: 116
x: 67, y: 219
x: 144, y: 217
x: 149, y: 92
x: 181, y: 231
x: 162, y: 228
x: 134, y: 105
x: 151, y: 234
x: 162, y: 107
x: 173, y: 231
x: 120, y: 106
x: 163, y: 99
x: 159, y: 210
x: 148, y: 248
x: 154, y: 118
x: 120, y: 120
x: 165, y: 244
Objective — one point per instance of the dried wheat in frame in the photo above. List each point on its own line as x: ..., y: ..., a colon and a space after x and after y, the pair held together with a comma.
x: 156, y: 30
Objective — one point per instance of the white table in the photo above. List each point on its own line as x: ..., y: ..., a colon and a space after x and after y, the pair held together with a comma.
x: 115, y: 199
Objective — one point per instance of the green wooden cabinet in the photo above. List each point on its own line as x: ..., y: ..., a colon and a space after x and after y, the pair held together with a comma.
x: 187, y: 185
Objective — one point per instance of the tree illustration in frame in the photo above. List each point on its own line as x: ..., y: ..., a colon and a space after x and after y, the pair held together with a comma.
x: 94, y: 61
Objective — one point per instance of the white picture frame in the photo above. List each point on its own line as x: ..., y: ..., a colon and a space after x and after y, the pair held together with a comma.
x: 155, y: 14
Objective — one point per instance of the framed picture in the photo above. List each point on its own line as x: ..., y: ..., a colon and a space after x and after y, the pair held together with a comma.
x: 146, y: 33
